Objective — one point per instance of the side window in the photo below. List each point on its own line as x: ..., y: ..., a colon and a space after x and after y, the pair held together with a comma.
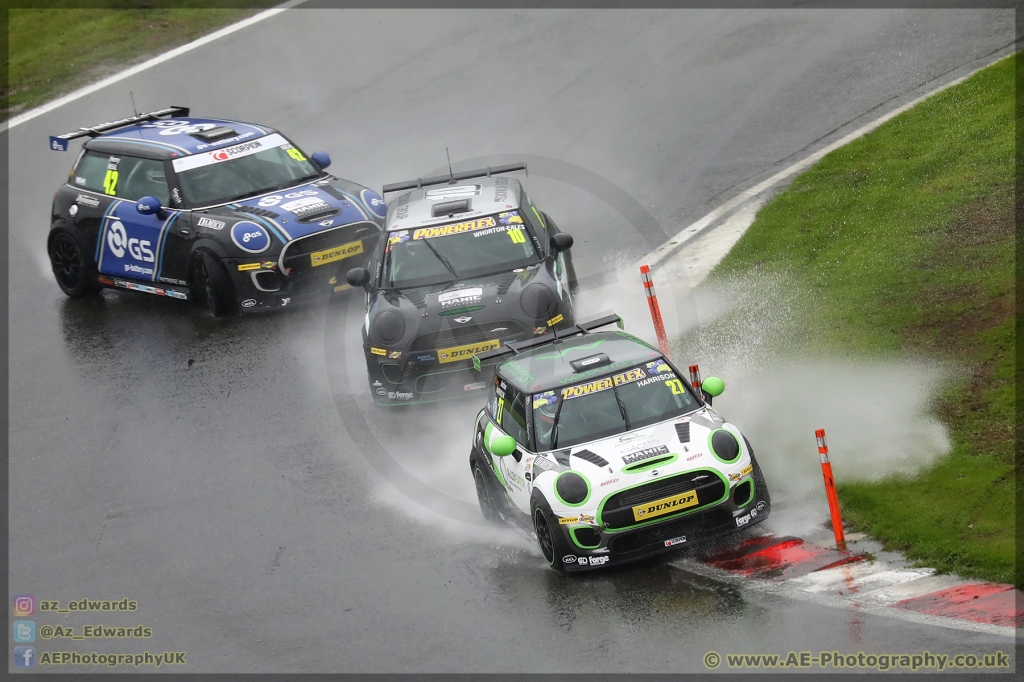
x: 90, y: 171
x: 513, y: 416
x: 492, y: 400
x: 126, y: 177
x: 141, y: 177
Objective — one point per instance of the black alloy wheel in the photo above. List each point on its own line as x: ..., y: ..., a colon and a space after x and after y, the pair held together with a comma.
x: 72, y: 271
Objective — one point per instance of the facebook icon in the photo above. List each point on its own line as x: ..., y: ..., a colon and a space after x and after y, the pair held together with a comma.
x: 24, y: 656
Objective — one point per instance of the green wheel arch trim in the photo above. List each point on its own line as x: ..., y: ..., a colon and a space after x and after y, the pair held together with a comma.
x: 572, y: 534
x: 653, y: 464
x: 590, y: 488
x: 703, y: 507
x: 739, y: 445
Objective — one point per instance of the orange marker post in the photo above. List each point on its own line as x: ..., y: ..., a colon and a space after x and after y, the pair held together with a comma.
x: 652, y: 302
x: 830, y: 491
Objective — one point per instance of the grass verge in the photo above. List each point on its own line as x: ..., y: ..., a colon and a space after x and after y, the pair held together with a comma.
x: 59, y: 49
x: 906, y: 239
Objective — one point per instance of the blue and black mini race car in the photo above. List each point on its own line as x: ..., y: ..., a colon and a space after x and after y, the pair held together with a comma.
x: 231, y: 214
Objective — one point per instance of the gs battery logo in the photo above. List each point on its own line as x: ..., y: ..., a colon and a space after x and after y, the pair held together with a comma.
x: 118, y: 241
x: 250, y: 237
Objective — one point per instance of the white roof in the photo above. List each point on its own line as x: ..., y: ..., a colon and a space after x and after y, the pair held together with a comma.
x: 485, y: 195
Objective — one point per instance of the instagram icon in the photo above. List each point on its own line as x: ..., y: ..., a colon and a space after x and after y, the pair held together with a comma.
x: 24, y: 605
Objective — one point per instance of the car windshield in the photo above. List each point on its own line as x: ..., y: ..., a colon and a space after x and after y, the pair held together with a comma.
x: 471, y: 248
x: 598, y: 408
x: 266, y: 164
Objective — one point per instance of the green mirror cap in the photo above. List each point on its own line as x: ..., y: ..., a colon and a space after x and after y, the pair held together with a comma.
x: 618, y: 323
x: 713, y: 386
x: 503, y: 446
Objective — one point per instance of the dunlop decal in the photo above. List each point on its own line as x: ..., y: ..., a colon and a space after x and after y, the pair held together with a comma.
x: 336, y: 253
x: 456, y: 353
x: 666, y: 505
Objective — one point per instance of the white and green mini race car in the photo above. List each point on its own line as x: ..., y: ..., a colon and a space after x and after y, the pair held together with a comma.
x: 595, y: 443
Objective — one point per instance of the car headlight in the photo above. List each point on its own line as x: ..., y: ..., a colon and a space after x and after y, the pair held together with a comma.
x: 572, y: 488
x: 724, y: 445
x: 538, y: 301
x: 389, y: 326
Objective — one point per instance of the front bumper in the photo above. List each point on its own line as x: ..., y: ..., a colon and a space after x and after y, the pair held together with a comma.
x: 264, y: 288
x: 405, y: 378
x: 592, y: 547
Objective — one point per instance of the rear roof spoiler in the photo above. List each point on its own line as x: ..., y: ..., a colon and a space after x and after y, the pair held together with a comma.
x: 420, y: 183
x: 60, y: 142
x: 516, y: 347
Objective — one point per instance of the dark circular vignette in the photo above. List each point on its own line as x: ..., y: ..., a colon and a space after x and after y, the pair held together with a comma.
x: 342, y: 314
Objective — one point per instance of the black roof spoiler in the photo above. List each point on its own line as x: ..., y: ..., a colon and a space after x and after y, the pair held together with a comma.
x: 516, y: 347
x: 60, y: 142
x: 420, y: 183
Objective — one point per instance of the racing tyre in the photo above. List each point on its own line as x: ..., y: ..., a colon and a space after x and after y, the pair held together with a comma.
x: 549, y: 536
x: 484, y: 495
x: 72, y: 268
x: 212, y: 285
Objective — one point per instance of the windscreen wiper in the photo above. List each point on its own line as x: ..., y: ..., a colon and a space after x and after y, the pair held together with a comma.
x: 554, y: 424
x: 622, y: 407
x: 444, y: 261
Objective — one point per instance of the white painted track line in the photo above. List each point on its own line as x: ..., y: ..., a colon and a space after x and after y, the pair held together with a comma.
x: 99, y: 85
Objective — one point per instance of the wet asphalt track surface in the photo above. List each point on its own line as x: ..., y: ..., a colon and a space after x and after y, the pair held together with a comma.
x: 227, y: 474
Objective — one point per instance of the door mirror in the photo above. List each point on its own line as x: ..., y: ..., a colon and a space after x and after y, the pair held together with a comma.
x: 321, y: 159
x: 561, y: 242
x: 358, y: 277
x: 150, y: 205
x: 503, y: 446
x: 713, y: 386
